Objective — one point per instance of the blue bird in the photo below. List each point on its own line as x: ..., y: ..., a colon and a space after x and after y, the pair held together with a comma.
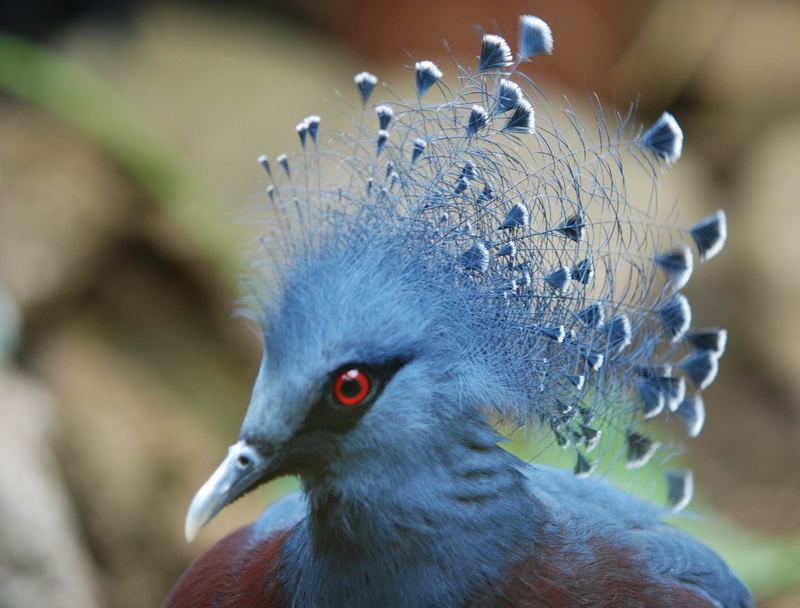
x: 469, y: 269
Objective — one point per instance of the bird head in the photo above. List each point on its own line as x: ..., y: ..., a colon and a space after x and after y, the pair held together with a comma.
x: 459, y: 255
x: 370, y: 354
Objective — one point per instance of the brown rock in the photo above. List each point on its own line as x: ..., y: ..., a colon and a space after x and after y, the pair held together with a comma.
x: 61, y: 200
x: 42, y: 561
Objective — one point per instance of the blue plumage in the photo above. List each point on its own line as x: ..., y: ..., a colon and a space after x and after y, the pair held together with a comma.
x: 477, y: 120
x: 583, y: 272
x: 383, y: 137
x: 701, y: 367
x: 418, y: 148
x: 535, y: 37
x: 302, y: 132
x: 264, y: 162
x: 652, y: 396
x: 428, y: 74
x: 442, y: 267
x: 573, y: 227
x: 517, y: 217
x: 680, y: 485
x: 283, y: 161
x: 640, y: 449
x: 619, y: 332
x: 509, y: 94
x: 713, y: 339
x: 521, y: 120
x: 555, y: 333
x: 676, y: 317
x: 366, y: 84
x: 693, y: 413
x: 508, y: 249
x: 312, y: 124
x: 593, y: 315
x: 709, y: 235
x: 385, y: 114
x: 677, y: 264
x: 476, y: 258
x: 558, y: 279
x: 495, y: 54
x: 664, y: 138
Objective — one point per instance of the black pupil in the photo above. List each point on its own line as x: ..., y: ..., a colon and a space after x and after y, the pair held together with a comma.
x: 350, y: 388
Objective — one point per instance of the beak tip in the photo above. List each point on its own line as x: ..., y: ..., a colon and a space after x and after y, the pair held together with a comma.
x: 217, y: 491
x: 198, y: 515
x: 191, y: 525
x: 190, y: 531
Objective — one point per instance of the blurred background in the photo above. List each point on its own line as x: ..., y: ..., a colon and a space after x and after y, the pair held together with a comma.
x: 128, y: 137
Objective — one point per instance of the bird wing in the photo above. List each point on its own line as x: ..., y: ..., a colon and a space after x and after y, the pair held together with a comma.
x: 673, y: 555
x: 601, y: 547
x: 238, y: 570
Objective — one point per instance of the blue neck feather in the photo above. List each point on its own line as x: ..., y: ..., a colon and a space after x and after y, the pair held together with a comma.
x: 425, y: 538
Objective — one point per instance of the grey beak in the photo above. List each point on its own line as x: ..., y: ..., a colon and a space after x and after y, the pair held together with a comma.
x: 241, y: 470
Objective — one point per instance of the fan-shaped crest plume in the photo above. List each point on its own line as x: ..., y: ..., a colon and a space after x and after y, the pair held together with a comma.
x: 680, y: 486
x: 693, y: 413
x: 495, y: 53
x: 428, y: 74
x: 535, y: 37
x: 560, y: 292
x: 709, y: 235
x: 366, y: 84
x: 664, y: 138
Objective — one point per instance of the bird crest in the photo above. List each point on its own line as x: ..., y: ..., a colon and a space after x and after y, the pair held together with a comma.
x: 522, y: 239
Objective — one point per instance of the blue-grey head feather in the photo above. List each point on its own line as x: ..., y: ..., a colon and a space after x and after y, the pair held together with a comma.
x: 505, y: 265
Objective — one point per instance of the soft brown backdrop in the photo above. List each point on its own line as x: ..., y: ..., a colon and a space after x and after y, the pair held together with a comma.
x: 123, y: 222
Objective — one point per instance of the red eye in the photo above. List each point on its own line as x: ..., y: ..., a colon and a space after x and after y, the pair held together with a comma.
x: 351, y: 388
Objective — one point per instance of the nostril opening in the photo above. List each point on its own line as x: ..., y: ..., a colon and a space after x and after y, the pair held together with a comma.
x: 244, y: 461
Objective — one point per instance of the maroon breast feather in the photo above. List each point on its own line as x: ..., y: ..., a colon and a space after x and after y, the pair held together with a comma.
x: 606, y: 576
x: 237, y: 572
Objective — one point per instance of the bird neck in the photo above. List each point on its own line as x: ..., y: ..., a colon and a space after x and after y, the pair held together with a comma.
x: 425, y: 535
